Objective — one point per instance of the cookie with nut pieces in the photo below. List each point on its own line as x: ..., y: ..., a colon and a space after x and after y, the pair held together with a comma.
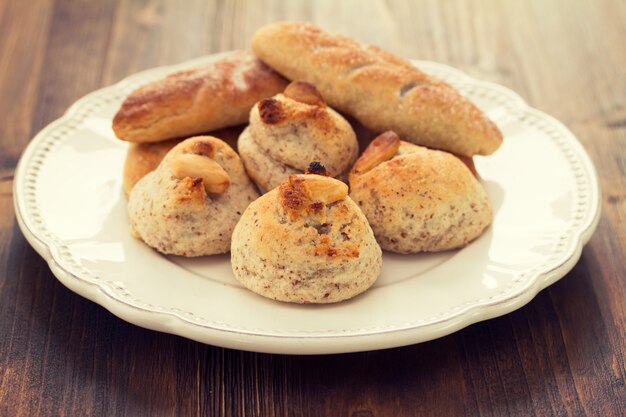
x: 291, y: 129
x: 418, y: 199
x: 305, y: 241
x: 191, y: 203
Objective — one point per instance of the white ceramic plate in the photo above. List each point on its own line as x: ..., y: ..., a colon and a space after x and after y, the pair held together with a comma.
x: 70, y: 206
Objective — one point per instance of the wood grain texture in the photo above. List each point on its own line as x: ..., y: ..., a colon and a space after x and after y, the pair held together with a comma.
x: 561, y: 355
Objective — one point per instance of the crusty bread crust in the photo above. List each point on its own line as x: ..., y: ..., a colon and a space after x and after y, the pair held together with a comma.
x: 195, y: 101
x: 381, y: 90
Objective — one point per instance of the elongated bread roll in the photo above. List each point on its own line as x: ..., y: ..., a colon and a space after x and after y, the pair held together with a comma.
x: 381, y: 90
x: 199, y: 100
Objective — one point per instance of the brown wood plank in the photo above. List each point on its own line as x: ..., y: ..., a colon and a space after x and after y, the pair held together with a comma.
x: 21, y: 55
x: 20, y: 69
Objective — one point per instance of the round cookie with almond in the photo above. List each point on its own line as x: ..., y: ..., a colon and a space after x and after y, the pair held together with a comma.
x: 191, y: 203
x: 289, y: 130
x: 418, y: 199
x: 305, y: 241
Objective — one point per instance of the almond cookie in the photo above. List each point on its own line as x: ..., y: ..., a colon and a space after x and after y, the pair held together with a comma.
x: 142, y: 158
x: 305, y: 241
x: 191, y: 203
x: 290, y: 129
x: 418, y: 199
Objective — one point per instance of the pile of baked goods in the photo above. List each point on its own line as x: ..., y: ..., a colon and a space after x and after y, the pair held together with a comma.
x: 302, y: 211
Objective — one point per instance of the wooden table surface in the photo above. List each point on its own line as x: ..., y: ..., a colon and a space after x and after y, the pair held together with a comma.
x: 562, y: 354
